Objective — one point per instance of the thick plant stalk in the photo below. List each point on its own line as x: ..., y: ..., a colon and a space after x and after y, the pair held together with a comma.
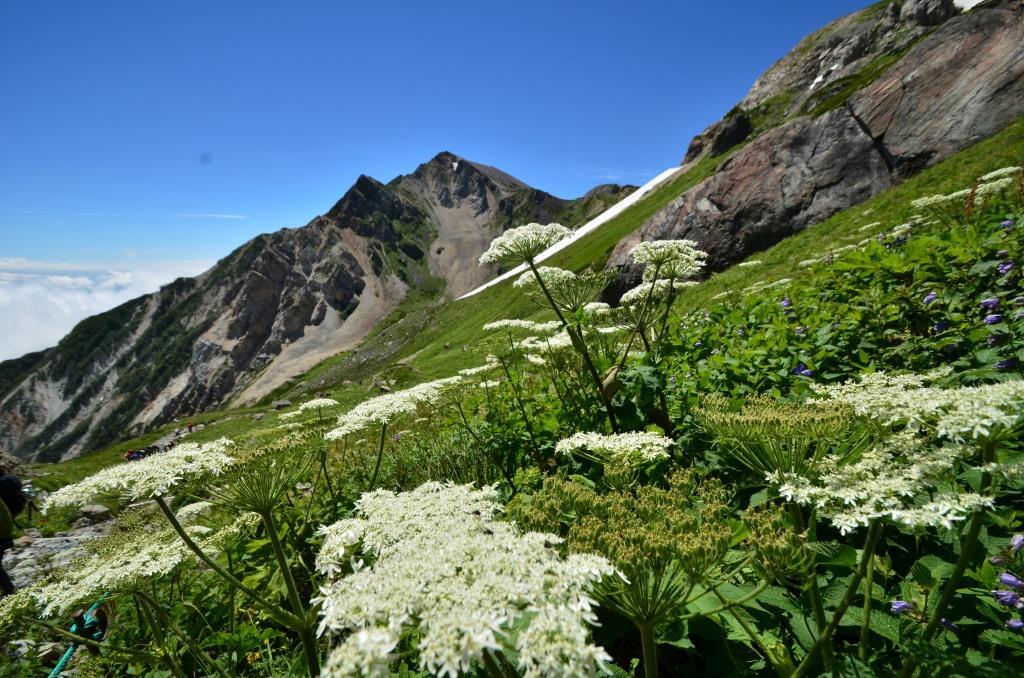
x: 89, y: 642
x: 812, y: 586
x: 305, y: 631
x: 865, y: 627
x: 874, y: 532
x: 577, y: 341
x: 282, y: 616
x: 650, y: 650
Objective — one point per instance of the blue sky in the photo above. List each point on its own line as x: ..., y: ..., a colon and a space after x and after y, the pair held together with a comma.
x: 134, y: 135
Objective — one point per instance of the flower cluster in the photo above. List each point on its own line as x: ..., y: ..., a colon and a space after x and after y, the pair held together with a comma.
x: 524, y: 325
x: 633, y: 448
x: 657, y: 291
x: 523, y: 243
x: 464, y: 591
x: 148, y: 477
x: 967, y: 412
x: 386, y: 408
x: 130, y: 555
x: 672, y: 259
x: 569, y: 291
x: 314, y: 404
x: 893, y: 480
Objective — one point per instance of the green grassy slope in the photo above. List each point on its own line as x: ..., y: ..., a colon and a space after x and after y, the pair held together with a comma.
x: 422, y: 329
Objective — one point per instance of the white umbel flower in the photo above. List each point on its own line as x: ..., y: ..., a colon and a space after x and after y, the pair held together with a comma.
x: 149, y: 477
x: 959, y: 414
x: 367, y: 653
x: 660, y: 291
x: 890, y: 481
x: 670, y: 258
x: 523, y: 243
x: 634, y: 448
x: 1000, y: 173
x: 524, y: 325
x: 444, y: 565
x: 386, y: 408
x: 311, y: 405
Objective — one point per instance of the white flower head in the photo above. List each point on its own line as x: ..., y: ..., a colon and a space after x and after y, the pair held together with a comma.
x: 386, y: 408
x: 633, y: 448
x: 149, y: 477
x: 463, y: 592
x: 311, y: 405
x: 523, y: 243
x: 657, y: 291
x: 670, y: 258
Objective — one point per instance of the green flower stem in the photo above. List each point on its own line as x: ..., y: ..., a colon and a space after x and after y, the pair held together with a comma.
x: 305, y: 632
x: 650, y: 649
x: 516, y: 391
x: 865, y: 626
x: 380, y: 456
x: 783, y: 664
x: 282, y: 616
x: 825, y: 636
x: 82, y: 640
x: 967, y: 546
x: 193, y: 647
x: 812, y: 585
x: 727, y: 604
x: 577, y: 341
x: 160, y: 638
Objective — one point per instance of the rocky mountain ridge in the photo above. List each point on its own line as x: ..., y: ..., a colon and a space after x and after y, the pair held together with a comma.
x: 270, y: 310
x: 913, y: 83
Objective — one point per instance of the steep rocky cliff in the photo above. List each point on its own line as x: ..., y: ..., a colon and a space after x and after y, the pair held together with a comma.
x: 864, y: 103
x: 268, y: 311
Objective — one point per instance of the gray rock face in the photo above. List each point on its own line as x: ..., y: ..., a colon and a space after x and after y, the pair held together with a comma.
x: 962, y: 83
x: 927, y: 12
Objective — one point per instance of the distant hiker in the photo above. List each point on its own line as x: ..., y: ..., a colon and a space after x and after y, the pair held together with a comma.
x: 190, y: 425
x: 12, y: 502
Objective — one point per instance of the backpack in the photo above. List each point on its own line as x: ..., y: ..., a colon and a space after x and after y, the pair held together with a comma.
x: 11, y: 494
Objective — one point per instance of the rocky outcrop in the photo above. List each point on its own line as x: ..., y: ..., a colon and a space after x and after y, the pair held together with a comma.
x: 269, y: 311
x: 961, y: 83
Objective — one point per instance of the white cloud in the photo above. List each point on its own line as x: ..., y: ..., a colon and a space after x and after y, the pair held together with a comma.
x: 40, y: 301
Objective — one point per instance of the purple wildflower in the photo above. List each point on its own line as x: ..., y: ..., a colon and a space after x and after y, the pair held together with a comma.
x: 1007, y: 598
x: 901, y: 607
x: 990, y: 304
x: 698, y: 344
x: 802, y: 370
x: 993, y: 318
x: 786, y: 303
x: 1017, y: 301
x: 1014, y: 624
x: 940, y: 326
x: 1007, y: 364
x: 1008, y: 224
x: 1005, y: 267
x: 1011, y: 580
x: 997, y: 560
x: 997, y: 339
x: 1002, y: 254
x: 949, y: 625
x: 1017, y: 543
x: 930, y: 297
x: 950, y: 347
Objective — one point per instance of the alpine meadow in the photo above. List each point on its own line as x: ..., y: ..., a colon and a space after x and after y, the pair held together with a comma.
x: 760, y: 416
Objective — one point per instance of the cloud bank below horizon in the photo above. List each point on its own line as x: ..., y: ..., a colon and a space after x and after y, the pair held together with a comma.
x: 41, y: 301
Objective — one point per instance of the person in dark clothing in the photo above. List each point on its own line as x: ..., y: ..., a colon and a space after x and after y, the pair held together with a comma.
x: 12, y: 502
